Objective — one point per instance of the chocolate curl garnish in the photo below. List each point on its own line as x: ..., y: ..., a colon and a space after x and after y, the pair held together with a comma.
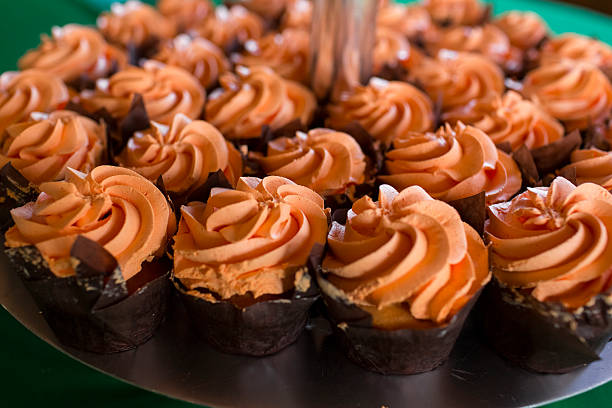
x: 202, y: 193
x: 595, y: 137
x: 15, y: 191
x: 568, y: 173
x: 505, y: 147
x: 473, y: 210
x: 529, y: 172
x: 371, y: 147
x: 550, y: 157
x: 136, y: 119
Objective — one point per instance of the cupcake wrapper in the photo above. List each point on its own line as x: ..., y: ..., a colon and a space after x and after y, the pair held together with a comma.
x: 529, y: 172
x: 15, y: 191
x: 94, y: 310
x: 595, y: 137
x: 473, y: 210
x: 553, y: 156
x: 145, y: 50
x: 544, y: 336
x: 85, y: 81
x: 393, y: 72
x: 403, y: 351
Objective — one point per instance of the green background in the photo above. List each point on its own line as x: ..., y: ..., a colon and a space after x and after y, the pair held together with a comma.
x: 36, y: 374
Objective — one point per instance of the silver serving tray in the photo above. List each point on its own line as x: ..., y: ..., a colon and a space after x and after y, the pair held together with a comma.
x: 311, y: 373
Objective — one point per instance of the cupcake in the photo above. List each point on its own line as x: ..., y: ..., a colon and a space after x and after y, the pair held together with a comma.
x: 32, y: 90
x: 591, y: 166
x: 455, y: 79
x: 297, y: 15
x: 45, y: 146
x: 456, y: 12
x: 74, y: 52
x: 203, y: 59
x: 256, y: 97
x: 577, y: 93
x: 393, y: 53
x: 230, y: 27
x: 549, y: 310
x: 89, y: 249
x: 135, y: 24
x: 399, y: 279
x: 411, y: 21
x: 509, y: 119
x: 166, y: 91
x: 577, y: 47
x: 386, y: 109
x: 182, y: 154
x: 329, y: 162
x: 286, y: 52
x: 240, y: 263
x: 268, y: 9
x: 525, y: 30
x: 185, y: 13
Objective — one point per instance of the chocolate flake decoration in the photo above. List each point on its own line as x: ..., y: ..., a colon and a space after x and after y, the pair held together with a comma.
x: 392, y: 72
x: 473, y: 210
x: 215, y: 179
x: 340, y: 216
x: 136, y: 119
x: 568, y: 173
x: 372, y: 148
x: 550, y: 157
x: 595, y: 137
x: 529, y: 172
x: 93, y: 310
x: 544, y: 337
x: 505, y: 147
x: 15, y: 191
x: 147, y: 49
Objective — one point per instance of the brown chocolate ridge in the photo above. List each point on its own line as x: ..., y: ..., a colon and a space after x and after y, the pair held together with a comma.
x: 473, y: 210
x: 15, y: 191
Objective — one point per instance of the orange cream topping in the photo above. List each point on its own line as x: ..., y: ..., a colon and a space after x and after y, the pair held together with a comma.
x: 524, y: 29
x: 32, y: 90
x: 74, y: 50
x: 578, y: 48
x: 183, y: 154
x: 323, y: 160
x: 166, y: 91
x: 230, y: 25
x: 250, y: 240
x: 592, y: 166
x: 286, y: 52
x: 386, y: 109
x: 134, y: 23
x: 453, y: 163
x: 392, y: 48
x: 203, y: 59
x: 509, y: 119
x: 411, y: 21
x: 268, y: 9
x: 455, y: 12
x: 255, y: 97
x: 116, y: 207
x: 43, y: 147
x: 574, y: 92
x: 298, y: 15
x: 555, y: 242
x: 455, y: 79
x: 185, y: 13
x: 406, y: 249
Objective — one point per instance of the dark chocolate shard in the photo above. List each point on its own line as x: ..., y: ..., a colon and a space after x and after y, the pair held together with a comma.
x: 215, y: 179
x: 258, y: 329
x: 15, y: 191
x: 505, y: 147
x: 595, y: 137
x: 529, y: 172
x: 372, y: 148
x: 569, y: 173
x: 93, y: 259
x: 147, y: 49
x: 340, y: 216
x: 392, y: 72
x: 544, y: 336
x: 473, y: 210
x: 553, y: 156
x: 136, y: 119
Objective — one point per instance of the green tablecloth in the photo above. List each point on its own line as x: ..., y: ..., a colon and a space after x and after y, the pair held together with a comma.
x: 36, y: 374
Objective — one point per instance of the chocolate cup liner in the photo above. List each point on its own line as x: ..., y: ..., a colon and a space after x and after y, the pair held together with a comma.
x: 92, y: 310
x: 544, y: 337
x: 553, y: 156
x: 15, y: 191
x: 529, y: 171
x: 595, y: 137
x: 473, y: 210
x: 402, y: 351
x: 146, y: 50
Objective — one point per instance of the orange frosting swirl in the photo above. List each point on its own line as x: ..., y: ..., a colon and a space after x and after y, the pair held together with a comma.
x: 32, y: 90
x: 250, y: 240
x: 166, y: 91
x: 134, y: 23
x: 256, y: 97
x: 457, y: 78
x: 43, y: 147
x: 230, y: 25
x: 524, y: 29
x: 578, y: 48
x: 116, y: 207
x: 592, y: 166
x: 185, y: 13
x: 453, y: 163
x: 406, y: 251
x: 323, y: 160
x: 392, y: 48
x: 74, y: 50
x: 298, y: 15
x: 576, y: 93
x: 268, y: 9
x: 203, y: 59
x: 386, y: 109
x: 286, y: 52
x: 555, y: 242
x: 411, y: 21
x: 487, y: 40
x: 509, y: 119
x: 455, y: 12
x: 183, y: 154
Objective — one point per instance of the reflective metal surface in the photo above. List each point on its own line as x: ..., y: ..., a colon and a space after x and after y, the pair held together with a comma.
x: 311, y: 373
